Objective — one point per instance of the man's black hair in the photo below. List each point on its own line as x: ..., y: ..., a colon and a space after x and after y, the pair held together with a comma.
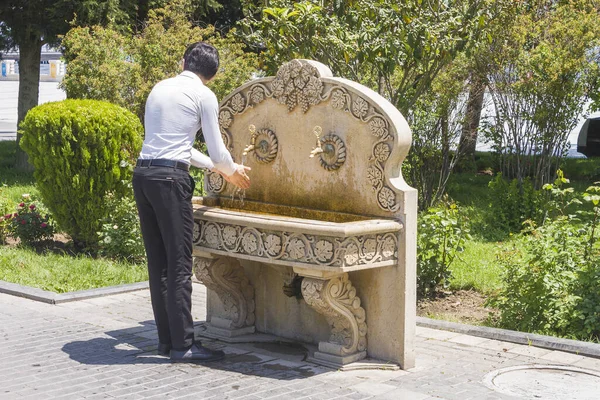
x: 201, y: 58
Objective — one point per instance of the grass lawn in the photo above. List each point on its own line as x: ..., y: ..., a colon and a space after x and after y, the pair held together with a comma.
x: 49, y: 271
x: 63, y: 273
x: 13, y: 183
x: 475, y: 267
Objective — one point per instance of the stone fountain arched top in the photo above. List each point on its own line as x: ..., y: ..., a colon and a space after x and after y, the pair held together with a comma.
x: 303, y: 95
x: 340, y: 225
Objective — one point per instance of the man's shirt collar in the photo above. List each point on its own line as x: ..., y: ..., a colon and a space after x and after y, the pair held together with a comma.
x: 190, y: 74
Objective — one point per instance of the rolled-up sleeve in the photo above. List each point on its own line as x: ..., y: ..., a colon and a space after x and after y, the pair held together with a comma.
x: 219, y: 155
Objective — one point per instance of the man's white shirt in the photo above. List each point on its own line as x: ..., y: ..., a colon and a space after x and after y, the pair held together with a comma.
x: 175, y: 110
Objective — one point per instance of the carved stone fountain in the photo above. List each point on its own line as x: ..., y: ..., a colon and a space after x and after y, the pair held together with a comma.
x: 322, y: 247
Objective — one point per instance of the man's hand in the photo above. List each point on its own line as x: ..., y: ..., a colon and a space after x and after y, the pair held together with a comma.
x: 239, y: 178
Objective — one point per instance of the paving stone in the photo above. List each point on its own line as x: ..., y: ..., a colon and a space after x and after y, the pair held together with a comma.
x: 467, y: 340
x: 530, y: 351
x: 372, y: 388
x: 105, y: 348
x: 429, y: 333
x: 562, y: 357
x: 590, y: 363
x: 401, y: 394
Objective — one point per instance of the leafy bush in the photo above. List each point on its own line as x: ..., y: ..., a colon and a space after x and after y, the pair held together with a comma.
x: 512, y: 203
x: 28, y: 224
x: 5, y: 219
x: 120, y: 236
x: 441, y: 236
x: 80, y: 150
x: 552, y: 282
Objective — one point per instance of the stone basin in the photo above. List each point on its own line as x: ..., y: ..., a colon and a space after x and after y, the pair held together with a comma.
x: 359, y: 243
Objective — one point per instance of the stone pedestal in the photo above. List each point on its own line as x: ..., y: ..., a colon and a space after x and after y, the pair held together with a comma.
x: 226, y: 277
x: 333, y: 296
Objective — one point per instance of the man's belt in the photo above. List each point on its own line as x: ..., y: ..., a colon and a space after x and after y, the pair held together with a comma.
x: 161, y: 162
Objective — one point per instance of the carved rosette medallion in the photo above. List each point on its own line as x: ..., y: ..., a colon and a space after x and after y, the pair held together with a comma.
x: 215, y: 183
x: 334, y: 152
x: 250, y: 242
x: 226, y: 277
x: 296, y: 247
x: 336, y: 299
x: 266, y: 147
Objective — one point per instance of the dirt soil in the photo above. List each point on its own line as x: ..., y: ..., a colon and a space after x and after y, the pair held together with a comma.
x: 463, y: 306
x: 59, y: 244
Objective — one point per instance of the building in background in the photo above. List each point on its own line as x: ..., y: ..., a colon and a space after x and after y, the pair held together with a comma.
x: 52, y: 68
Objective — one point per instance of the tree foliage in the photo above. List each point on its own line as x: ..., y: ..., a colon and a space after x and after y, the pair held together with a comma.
x: 395, y: 48
x: 540, y: 81
x: 122, y: 68
x: 414, y: 53
x: 436, y: 120
x: 29, y: 24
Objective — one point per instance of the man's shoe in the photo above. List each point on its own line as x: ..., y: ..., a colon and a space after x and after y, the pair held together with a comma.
x: 196, y: 353
x: 163, y: 349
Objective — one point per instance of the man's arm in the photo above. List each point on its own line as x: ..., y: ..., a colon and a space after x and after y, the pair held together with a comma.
x: 200, y: 160
x: 219, y: 155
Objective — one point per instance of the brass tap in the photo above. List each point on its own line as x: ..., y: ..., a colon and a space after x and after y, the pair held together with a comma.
x: 317, y: 150
x: 253, y: 134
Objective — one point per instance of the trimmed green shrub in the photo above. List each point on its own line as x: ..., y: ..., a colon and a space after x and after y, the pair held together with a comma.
x: 81, y: 150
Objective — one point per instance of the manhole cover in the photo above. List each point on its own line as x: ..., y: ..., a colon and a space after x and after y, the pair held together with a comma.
x: 547, y: 382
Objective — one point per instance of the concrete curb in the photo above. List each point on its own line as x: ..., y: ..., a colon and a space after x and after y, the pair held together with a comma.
x: 547, y: 342
x: 56, y: 298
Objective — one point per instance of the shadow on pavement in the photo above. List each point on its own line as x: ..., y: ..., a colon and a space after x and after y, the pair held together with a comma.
x: 137, y: 345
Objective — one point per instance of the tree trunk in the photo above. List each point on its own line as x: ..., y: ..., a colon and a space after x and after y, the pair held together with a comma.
x: 468, y: 137
x: 29, y: 87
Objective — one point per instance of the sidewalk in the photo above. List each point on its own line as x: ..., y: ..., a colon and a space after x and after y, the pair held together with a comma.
x: 106, y: 348
x: 9, y: 93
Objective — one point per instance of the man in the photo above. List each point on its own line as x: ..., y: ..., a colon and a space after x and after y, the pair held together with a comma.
x: 175, y: 110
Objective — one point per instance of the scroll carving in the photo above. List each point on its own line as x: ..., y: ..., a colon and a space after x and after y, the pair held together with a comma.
x: 225, y: 276
x: 336, y: 299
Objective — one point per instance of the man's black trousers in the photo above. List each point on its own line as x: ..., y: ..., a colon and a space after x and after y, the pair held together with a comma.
x: 164, y: 200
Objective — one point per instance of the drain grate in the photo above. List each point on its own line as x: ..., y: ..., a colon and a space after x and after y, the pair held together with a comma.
x: 547, y: 382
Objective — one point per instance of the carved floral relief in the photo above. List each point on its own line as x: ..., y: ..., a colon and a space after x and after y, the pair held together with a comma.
x: 287, y: 246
